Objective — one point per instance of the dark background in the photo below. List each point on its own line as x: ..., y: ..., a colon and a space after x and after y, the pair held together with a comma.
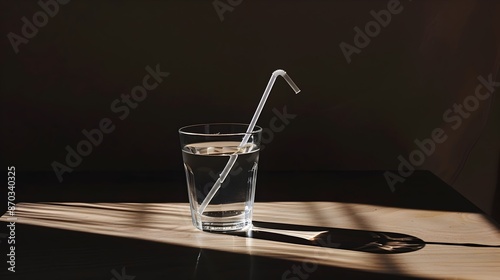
x: 349, y: 116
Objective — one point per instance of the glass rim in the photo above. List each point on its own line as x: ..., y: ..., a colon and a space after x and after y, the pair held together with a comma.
x: 256, y: 129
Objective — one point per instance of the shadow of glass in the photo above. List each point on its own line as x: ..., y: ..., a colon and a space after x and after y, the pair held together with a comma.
x: 346, y: 239
x: 377, y: 242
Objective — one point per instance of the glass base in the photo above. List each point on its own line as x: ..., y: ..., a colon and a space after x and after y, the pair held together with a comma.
x: 225, y: 227
x: 223, y: 221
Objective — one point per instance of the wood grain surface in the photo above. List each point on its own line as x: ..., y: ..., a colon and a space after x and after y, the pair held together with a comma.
x: 452, y: 248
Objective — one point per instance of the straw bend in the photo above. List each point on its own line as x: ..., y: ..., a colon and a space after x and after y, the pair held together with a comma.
x: 287, y: 78
x: 280, y: 72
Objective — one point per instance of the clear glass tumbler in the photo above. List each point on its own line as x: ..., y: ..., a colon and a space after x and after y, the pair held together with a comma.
x: 205, y: 150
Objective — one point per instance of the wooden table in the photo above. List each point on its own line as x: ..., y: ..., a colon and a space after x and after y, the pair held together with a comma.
x: 81, y: 234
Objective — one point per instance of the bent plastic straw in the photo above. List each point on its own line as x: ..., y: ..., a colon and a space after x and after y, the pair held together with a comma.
x: 233, y: 157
